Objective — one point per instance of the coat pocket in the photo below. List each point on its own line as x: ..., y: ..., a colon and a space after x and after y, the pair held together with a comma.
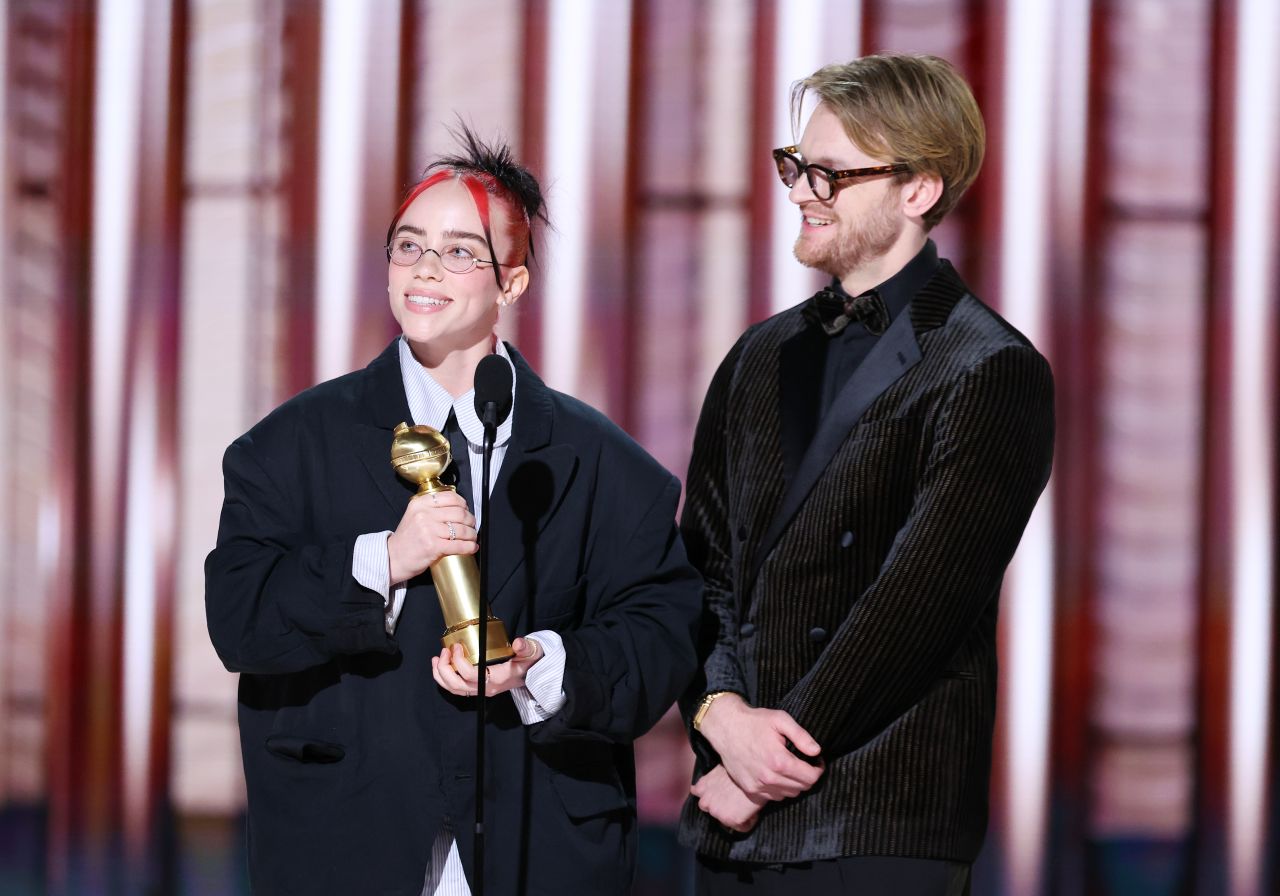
x: 305, y: 749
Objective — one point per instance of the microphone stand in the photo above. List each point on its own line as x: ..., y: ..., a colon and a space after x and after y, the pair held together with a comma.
x: 493, y: 399
x: 482, y: 667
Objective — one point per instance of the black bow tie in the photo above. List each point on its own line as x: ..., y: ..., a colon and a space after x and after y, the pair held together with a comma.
x: 833, y: 311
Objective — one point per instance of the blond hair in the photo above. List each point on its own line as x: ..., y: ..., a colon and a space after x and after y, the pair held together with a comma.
x: 901, y: 108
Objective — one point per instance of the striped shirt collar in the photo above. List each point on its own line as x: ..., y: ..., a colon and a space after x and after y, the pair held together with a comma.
x: 430, y: 402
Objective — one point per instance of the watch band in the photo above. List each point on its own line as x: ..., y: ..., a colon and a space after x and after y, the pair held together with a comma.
x: 703, y: 705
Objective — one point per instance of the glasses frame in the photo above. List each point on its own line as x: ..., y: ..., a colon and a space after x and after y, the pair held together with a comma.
x: 832, y: 175
x: 475, y: 261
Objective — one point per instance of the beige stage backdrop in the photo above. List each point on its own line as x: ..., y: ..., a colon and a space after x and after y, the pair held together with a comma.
x: 192, y: 207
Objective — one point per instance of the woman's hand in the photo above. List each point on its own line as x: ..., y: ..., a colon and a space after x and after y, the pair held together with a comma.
x: 453, y: 672
x: 433, y: 525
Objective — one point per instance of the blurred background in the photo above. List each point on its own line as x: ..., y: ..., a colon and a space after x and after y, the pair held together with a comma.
x: 193, y: 202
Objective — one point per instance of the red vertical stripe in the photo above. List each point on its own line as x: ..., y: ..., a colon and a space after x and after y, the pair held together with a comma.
x: 628, y: 382
x: 68, y: 626
x: 533, y: 101
x: 1213, y: 689
x: 412, y: 16
x: 761, y: 174
x: 379, y: 181
x: 1077, y: 332
x: 301, y: 92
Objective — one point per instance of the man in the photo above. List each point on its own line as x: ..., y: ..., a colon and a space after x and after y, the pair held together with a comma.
x: 358, y: 732
x: 863, y: 469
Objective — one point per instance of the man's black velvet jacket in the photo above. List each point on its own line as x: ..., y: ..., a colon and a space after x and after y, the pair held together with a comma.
x: 853, y: 567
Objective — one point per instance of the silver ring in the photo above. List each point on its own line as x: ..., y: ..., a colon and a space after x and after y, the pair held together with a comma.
x: 453, y: 533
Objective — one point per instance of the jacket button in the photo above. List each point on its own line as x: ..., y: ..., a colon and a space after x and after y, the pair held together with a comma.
x: 818, y: 634
x: 846, y: 539
x: 747, y: 630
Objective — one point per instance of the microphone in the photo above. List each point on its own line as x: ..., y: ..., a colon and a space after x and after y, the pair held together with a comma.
x: 493, y: 390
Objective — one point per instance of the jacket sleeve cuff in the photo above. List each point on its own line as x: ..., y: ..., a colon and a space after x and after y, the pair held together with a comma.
x: 543, y: 693
x: 371, y: 568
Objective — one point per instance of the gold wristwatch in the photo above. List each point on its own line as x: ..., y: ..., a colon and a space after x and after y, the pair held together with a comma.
x: 703, y: 705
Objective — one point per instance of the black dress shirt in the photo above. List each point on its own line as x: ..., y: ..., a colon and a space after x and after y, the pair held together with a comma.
x: 848, y: 348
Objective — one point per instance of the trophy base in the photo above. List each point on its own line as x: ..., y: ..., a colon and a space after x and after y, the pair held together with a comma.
x: 497, y: 648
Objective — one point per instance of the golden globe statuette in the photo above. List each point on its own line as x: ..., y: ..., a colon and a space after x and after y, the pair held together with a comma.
x: 420, y: 454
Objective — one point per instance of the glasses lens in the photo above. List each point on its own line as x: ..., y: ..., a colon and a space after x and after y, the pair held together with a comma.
x: 457, y: 259
x: 404, y: 252
x: 788, y: 169
x: 818, y: 182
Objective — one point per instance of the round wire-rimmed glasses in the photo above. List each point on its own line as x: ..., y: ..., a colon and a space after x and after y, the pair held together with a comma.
x: 823, y: 180
x: 455, y: 257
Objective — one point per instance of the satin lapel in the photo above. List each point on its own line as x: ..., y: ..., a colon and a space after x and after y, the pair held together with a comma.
x: 535, y: 475
x: 800, y: 360
x: 383, y: 396
x: 893, y: 355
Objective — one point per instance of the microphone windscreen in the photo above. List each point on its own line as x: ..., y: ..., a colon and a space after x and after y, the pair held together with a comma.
x: 493, y: 386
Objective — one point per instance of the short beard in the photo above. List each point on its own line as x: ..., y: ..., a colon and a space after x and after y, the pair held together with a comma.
x: 859, y: 244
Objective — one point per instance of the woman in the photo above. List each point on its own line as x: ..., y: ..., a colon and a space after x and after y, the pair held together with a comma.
x: 357, y: 729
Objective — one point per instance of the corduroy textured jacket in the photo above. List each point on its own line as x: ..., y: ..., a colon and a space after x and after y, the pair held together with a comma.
x: 853, y: 567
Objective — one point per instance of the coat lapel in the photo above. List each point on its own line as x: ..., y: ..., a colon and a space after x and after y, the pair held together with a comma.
x: 383, y: 396
x: 892, y: 356
x: 535, y: 475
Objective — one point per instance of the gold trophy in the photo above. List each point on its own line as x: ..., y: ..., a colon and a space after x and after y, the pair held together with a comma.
x: 420, y: 454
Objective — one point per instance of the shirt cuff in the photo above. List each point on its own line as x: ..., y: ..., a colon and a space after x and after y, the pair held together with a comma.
x: 543, y: 691
x: 372, y: 569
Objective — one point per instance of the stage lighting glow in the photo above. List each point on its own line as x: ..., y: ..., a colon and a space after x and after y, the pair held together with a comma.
x: 1028, y: 610
x: 1253, y: 390
x: 343, y: 86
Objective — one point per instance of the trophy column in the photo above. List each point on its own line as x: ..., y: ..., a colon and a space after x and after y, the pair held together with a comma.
x: 419, y: 454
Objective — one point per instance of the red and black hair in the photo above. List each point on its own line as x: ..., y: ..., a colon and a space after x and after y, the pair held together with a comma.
x: 487, y: 169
